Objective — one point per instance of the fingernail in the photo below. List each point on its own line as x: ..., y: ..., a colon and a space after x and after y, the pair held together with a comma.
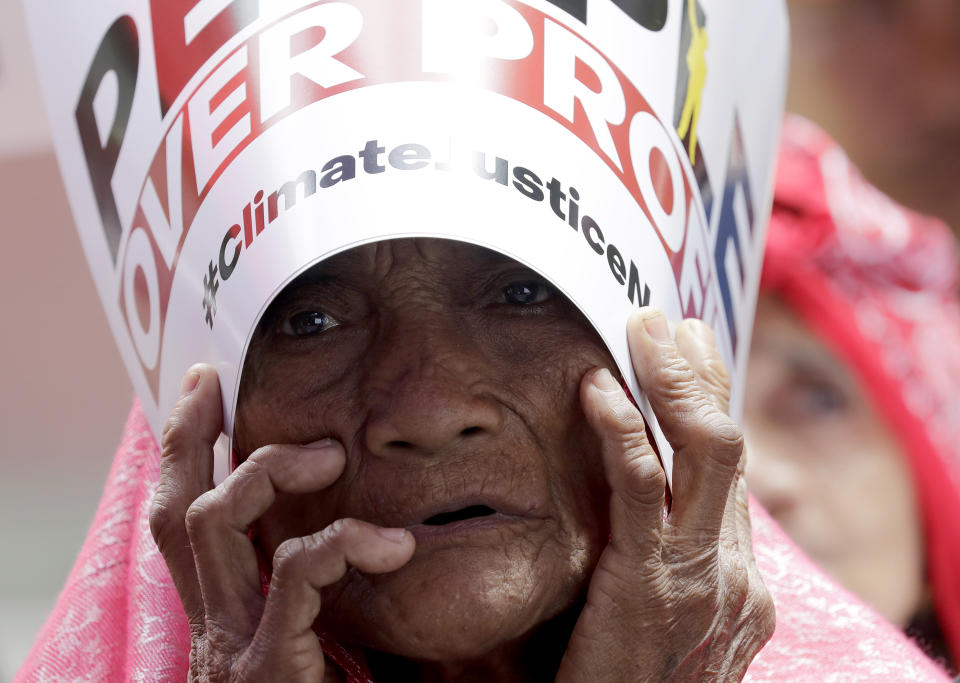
x: 704, y: 332
x: 656, y: 325
x: 604, y: 381
x: 322, y: 443
x: 190, y: 381
x: 392, y: 535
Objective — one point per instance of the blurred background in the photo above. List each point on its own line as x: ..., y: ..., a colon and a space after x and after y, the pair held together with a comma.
x: 64, y: 394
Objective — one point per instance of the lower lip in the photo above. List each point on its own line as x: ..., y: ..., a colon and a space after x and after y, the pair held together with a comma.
x: 427, y: 534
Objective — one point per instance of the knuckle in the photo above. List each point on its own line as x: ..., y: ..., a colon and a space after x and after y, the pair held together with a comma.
x: 762, y: 612
x: 339, y: 531
x: 647, y: 478
x: 175, y: 434
x: 251, y: 469
x: 339, y: 536
x: 738, y: 584
x: 266, y: 465
x: 160, y: 515
x: 289, y: 557
x: 164, y: 523
x: 199, y: 513
x: 261, y: 457
x: 727, y: 438
x: 718, y: 434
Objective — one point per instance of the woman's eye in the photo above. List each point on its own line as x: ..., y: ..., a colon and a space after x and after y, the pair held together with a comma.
x: 823, y: 399
x: 810, y: 403
x: 526, y: 293
x: 308, y: 323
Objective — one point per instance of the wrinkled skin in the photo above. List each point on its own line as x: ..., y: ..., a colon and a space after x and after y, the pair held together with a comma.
x: 429, y: 376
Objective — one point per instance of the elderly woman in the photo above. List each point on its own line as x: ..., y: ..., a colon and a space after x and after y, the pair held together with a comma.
x: 851, y: 404
x: 445, y: 480
x: 517, y: 533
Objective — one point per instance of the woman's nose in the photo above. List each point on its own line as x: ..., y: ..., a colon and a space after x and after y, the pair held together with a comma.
x: 430, y: 396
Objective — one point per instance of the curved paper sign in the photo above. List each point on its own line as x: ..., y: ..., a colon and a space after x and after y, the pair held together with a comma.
x: 214, y: 149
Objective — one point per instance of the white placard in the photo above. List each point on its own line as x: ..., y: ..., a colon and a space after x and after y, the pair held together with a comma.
x: 214, y: 149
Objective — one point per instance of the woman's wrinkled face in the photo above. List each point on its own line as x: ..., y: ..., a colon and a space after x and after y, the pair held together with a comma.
x: 828, y: 468
x: 450, y: 374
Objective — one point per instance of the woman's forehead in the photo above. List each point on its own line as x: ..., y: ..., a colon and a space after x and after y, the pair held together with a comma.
x: 400, y: 256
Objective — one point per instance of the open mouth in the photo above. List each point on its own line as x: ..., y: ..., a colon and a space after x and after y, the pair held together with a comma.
x: 460, y: 515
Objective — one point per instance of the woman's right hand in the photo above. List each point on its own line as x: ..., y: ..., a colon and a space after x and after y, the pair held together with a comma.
x: 237, y: 633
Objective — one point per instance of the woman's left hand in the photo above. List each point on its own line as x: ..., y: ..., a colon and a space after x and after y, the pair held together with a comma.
x: 675, y: 596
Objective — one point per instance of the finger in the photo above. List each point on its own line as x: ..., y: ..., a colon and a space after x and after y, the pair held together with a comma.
x: 633, y: 470
x: 707, y: 443
x: 186, y: 471
x: 696, y: 343
x: 218, y: 522
x: 303, y: 566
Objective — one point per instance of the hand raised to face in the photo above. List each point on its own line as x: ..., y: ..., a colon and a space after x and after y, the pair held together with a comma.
x: 238, y: 634
x: 675, y: 596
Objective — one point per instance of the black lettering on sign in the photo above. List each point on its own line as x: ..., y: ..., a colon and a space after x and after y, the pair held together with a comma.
x: 651, y: 14
x: 409, y: 157
x: 226, y: 269
x: 307, y: 181
x: 119, y: 53
x: 575, y: 8
x: 528, y: 183
x: 633, y: 287
x: 500, y: 166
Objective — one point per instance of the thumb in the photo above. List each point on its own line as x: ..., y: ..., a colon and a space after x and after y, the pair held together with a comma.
x: 633, y: 470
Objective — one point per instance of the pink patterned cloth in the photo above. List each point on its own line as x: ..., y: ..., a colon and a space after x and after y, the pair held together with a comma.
x: 119, y: 617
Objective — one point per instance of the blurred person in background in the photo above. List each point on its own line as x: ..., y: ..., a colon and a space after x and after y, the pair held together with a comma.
x: 883, y: 78
x: 852, y: 414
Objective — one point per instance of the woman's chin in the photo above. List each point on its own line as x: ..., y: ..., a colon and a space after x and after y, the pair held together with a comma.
x: 451, y: 606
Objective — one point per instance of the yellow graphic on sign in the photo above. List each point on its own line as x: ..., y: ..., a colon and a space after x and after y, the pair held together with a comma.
x: 697, y: 68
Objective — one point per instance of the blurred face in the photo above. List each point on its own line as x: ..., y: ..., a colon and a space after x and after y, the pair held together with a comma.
x: 827, y: 467
x: 881, y: 76
x: 450, y: 374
